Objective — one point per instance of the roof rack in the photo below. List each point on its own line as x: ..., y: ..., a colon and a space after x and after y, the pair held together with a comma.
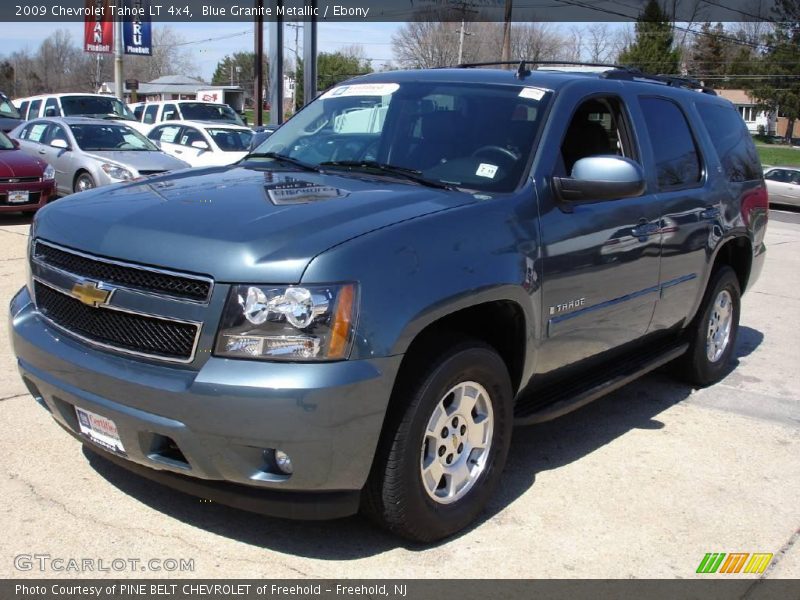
x: 614, y: 71
x: 631, y: 74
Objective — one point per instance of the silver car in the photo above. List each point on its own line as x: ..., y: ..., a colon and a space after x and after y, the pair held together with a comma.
x: 88, y: 153
x: 783, y: 185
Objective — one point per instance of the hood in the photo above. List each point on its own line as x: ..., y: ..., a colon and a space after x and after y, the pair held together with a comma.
x: 15, y: 163
x: 236, y: 224
x: 139, y: 160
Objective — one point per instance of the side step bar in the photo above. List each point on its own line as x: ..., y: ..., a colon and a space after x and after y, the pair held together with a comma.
x: 539, y: 408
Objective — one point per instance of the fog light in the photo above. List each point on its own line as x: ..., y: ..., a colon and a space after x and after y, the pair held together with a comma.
x: 283, y: 462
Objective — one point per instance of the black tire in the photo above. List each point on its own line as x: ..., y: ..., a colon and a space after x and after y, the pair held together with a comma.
x: 85, y: 177
x: 395, y: 496
x: 696, y: 367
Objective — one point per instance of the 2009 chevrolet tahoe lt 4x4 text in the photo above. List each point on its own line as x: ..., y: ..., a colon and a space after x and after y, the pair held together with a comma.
x: 355, y: 315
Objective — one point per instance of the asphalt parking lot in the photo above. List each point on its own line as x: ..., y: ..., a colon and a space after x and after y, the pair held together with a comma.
x: 640, y: 484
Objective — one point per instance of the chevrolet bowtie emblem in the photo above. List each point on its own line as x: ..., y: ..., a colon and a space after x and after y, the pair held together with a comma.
x: 90, y: 294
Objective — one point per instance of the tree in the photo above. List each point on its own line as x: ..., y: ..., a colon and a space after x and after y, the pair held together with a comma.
x: 171, y: 56
x: 711, y: 52
x: 779, y: 89
x: 331, y: 69
x: 226, y: 72
x: 652, y: 50
x: 426, y: 44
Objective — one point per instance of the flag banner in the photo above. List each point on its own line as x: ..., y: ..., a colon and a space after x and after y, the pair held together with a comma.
x: 98, y: 27
x: 137, y: 34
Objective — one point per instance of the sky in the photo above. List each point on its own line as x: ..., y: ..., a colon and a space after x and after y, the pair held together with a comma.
x: 375, y: 38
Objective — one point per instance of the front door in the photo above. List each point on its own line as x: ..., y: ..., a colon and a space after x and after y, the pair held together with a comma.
x: 600, y: 260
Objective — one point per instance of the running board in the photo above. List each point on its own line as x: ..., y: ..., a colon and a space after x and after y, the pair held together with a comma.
x: 549, y: 404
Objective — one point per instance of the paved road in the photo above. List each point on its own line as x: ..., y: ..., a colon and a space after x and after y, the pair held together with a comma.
x: 640, y: 484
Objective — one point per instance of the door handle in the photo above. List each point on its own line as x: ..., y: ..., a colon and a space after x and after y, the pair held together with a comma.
x: 710, y: 213
x: 42, y: 151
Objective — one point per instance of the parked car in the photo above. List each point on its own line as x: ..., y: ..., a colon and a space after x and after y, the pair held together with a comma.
x: 203, y: 144
x: 26, y: 183
x: 783, y: 185
x: 347, y: 321
x: 9, y: 115
x: 151, y: 113
x: 88, y: 153
x: 101, y: 106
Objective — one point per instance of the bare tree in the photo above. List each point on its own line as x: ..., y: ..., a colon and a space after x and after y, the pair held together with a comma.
x: 171, y: 56
x: 600, y: 43
x: 426, y: 44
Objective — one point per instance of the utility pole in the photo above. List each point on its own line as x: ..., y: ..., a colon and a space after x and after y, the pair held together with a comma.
x: 296, y: 27
x: 310, y: 55
x: 462, y: 31
x: 118, y: 75
x: 259, y: 66
x: 506, y: 54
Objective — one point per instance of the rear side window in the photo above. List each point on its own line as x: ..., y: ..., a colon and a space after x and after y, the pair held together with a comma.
x: 51, y: 108
x: 150, y: 114
x: 732, y: 141
x: 23, y: 110
x: 674, y: 148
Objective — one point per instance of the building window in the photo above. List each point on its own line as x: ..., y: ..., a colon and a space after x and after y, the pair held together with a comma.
x: 748, y: 113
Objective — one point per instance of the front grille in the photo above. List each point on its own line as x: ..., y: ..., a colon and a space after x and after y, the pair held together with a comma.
x: 13, y: 180
x: 124, y: 331
x: 33, y: 198
x: 126, y: 276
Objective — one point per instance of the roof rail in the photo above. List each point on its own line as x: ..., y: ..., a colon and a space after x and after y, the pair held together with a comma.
x: 614, y: 71
x: 631, y: 74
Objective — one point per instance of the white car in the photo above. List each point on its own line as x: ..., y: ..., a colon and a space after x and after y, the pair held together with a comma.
x: 100, y: 106
x: 783, y: 185
x: 152, y: 113
x: 208, y: 144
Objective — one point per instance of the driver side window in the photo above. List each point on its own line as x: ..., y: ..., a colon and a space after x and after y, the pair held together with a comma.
x: 598, y: 127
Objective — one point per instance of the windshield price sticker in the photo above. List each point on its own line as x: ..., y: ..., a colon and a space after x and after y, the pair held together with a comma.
x: 362, y: 89
x: 486, y: 170
x: 532, y: 93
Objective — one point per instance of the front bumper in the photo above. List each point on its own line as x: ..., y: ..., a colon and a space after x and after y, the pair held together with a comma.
x: 40, y: 193
x: 327, y: 417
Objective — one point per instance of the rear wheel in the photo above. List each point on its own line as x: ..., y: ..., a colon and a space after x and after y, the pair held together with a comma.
x: 713, y: 333
x: 443, y: 451
x: 83, y: 182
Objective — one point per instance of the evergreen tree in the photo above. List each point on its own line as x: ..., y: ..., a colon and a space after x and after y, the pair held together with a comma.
x: 652, y: 51
x: 331, y: 69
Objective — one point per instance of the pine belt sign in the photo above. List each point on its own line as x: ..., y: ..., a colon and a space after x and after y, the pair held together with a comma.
x: 98, y: 26
x: 136, y: 31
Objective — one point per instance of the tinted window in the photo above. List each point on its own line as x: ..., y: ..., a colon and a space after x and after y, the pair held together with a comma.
x: 56, y: 132
x: 777, y: 175
x: 677, y: 161
x: 35, y: 132
x: 167, y: 134
x: 231, y: 140
x: 190, y: 136
x: 170, y: 113
x: 95, y: 105
x: 51, y: 108
x: 199, y: 111
x: 150, y: 114
x: 23, y: 109
x: 110, y: 137
x: 137, y: 112
x: 34, y: 110
x: 732, y: 141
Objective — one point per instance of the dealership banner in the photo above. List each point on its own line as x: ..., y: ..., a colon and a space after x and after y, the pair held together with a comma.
x: 98, y: 27
x: 137, y: 36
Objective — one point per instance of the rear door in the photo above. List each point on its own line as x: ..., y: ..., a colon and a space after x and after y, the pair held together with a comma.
x: 599, y: 258
x: 689, y: 206
x: 168, y: 138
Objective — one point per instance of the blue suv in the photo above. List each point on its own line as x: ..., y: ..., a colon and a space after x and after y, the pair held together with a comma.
x: 357, y: 314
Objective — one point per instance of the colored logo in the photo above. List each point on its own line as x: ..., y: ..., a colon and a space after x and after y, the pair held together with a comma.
x: 90, y: 293
x: 735, y: 562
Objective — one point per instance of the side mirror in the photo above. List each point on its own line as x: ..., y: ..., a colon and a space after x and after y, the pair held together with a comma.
x: 59, y: 143
x: 200, y: 145
x: 15, y: 143
x: 601, y: 178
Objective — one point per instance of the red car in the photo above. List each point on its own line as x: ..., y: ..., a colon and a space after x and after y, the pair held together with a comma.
x: 26, y: 183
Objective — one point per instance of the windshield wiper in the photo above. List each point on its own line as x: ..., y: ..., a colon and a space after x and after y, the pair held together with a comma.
x: 412, y: 174
x: 282, y: 158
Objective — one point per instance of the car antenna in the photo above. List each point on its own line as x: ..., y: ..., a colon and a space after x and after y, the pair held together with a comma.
x: 522, y: 71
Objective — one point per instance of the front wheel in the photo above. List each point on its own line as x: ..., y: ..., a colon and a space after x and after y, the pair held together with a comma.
x: 444, y: 445
x: 713, y: 333
x: 83, y: 182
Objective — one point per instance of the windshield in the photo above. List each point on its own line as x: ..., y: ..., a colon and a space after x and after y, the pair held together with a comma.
x: 95, y: 106
x: 5, y: 143
x: 231, y: 140
x: 7, y: 109
x: 472, y: 136
x: 202, y: 111
x: 111, y: 137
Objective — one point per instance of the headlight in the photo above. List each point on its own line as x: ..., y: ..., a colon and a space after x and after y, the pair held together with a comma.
x: 49, y: 173
x: 294, y: 323
x: 116, y: 172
